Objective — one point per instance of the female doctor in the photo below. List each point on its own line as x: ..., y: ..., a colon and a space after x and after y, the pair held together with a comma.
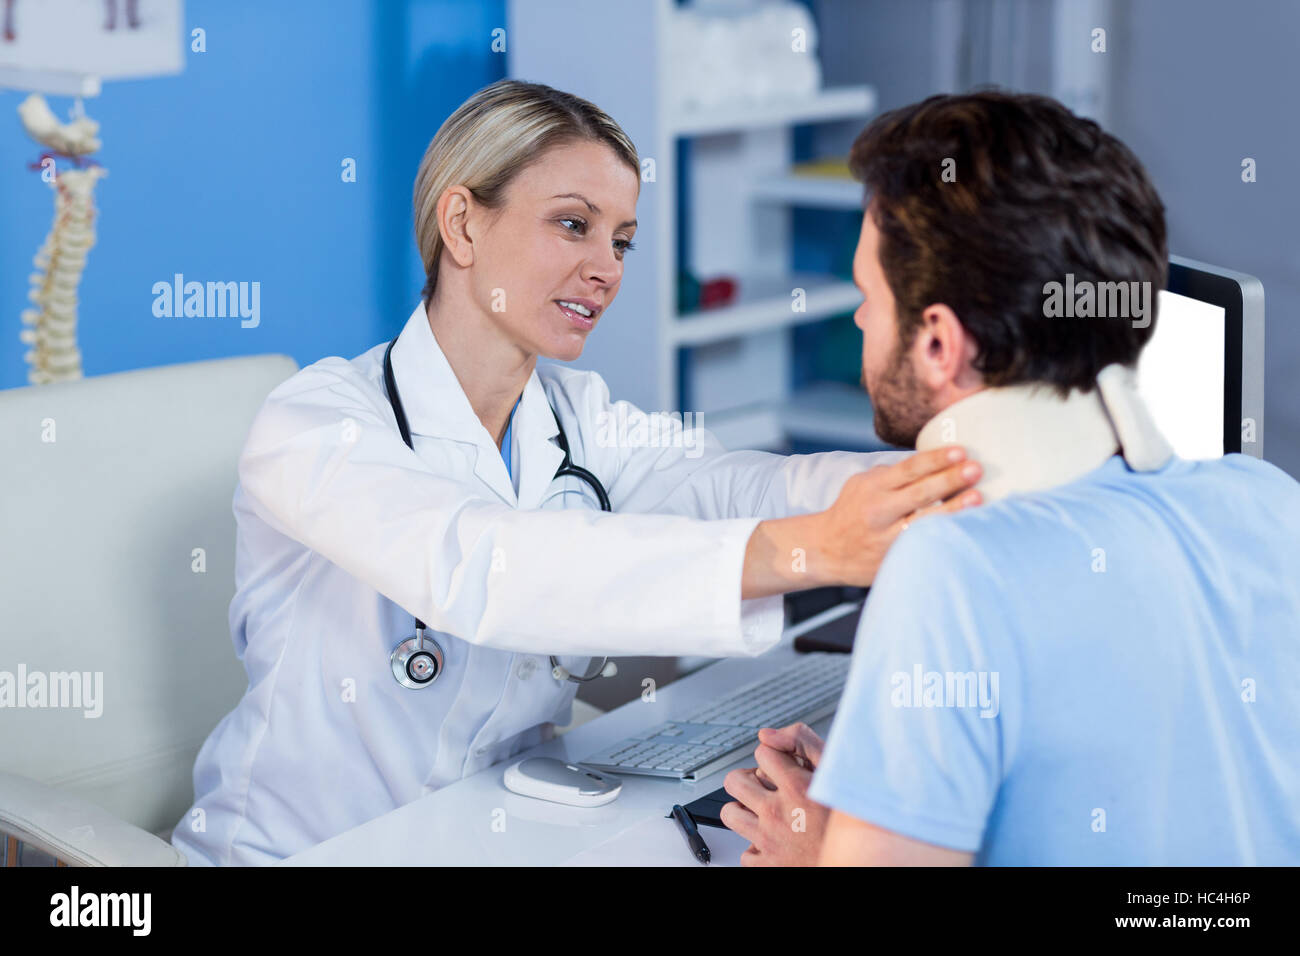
x: 427, y: 483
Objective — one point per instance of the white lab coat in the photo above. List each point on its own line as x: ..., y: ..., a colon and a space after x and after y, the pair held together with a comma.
x: 345, y: 535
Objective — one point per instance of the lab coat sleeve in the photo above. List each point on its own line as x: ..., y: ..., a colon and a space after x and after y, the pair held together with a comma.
x: 661, y: 465
x: 325, y: 464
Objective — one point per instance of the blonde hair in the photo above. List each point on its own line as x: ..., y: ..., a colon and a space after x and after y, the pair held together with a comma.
x: 492, y: 137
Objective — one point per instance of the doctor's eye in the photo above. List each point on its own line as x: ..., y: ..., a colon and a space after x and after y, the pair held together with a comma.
x: 580, y: 229
x: 623, y: 245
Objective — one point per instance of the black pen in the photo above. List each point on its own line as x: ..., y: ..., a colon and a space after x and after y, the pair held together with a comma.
x: 693, y: 838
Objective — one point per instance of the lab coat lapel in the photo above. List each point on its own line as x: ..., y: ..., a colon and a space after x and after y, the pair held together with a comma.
x: 436, y: 405
x: 539, y: 455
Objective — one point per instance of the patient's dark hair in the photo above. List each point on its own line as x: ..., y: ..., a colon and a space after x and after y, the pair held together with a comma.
x: 1038, y: 193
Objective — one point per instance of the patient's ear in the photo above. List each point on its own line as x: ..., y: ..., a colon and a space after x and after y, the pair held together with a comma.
x: 944, y: 351
x: 454, y: 211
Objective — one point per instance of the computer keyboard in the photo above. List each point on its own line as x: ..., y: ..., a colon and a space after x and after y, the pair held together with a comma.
x: 716, y: 734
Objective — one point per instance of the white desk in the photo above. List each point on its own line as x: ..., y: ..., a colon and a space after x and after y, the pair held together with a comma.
x: 476, y: 821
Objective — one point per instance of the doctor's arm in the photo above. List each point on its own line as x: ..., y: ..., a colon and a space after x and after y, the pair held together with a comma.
x: 325, y: 465
x: 846, y: 543
x: 826, y: 519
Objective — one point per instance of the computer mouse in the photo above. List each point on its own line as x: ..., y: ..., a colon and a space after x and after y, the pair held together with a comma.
x: 549, y: 779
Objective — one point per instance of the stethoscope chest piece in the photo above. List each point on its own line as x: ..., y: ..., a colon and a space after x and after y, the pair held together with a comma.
x: 417, y: 661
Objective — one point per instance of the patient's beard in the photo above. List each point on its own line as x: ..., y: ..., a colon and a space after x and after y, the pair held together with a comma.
x: 901, y: 402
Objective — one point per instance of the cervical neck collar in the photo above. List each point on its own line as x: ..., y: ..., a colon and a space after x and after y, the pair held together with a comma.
x: 1028, y: 438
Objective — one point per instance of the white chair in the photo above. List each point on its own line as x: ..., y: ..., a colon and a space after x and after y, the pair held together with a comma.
x: 118, y: 560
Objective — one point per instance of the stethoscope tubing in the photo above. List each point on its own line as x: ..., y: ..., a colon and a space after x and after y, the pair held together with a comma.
x: 415, y: 664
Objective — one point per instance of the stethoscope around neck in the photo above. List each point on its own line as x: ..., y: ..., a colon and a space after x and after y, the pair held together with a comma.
x: 417, y: 661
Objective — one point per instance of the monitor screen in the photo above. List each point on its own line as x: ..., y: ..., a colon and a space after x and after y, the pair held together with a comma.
x: 1181, y: 375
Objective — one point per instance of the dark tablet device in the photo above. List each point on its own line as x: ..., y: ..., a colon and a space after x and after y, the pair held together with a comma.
x: 705, y: 810
x: 835, y: 635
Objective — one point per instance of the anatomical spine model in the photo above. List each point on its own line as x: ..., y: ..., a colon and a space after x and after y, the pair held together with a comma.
x: 52, y: 331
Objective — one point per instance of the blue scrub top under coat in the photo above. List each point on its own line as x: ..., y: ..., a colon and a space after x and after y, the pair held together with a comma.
x: 505, y: 442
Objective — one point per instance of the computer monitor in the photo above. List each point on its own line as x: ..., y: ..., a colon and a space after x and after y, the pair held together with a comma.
x: 1202, y: 373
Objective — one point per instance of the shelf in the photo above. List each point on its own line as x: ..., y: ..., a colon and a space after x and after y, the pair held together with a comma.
x: 831, y: 413
x: 764, y: 304
x: 825, y: 106
x: 817, y: 192
x: 755, y: 427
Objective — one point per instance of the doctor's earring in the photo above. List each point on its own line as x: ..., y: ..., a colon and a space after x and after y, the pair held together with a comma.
x: 417, y: 661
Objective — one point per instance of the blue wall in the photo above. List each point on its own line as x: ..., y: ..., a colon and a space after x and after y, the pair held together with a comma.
x: 231, y: 172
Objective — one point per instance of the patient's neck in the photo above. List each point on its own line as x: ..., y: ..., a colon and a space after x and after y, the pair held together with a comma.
x: 1026, y: 437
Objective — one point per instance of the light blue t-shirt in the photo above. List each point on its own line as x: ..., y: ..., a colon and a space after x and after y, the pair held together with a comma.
x: 1107, y: 672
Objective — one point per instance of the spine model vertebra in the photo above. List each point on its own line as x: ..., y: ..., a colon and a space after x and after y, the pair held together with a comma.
x: 52, y: 332
x: 52, y: 325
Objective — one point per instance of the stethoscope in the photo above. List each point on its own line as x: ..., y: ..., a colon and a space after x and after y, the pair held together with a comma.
x: 417, y: 661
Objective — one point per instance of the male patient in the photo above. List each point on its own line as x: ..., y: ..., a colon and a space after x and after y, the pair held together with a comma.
x: 1102, y: 664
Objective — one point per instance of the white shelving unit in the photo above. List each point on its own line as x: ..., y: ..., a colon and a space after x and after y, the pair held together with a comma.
x: 739, y: 194
x: 809, y: 191
x: 763, y: 302
x: 826, y: 105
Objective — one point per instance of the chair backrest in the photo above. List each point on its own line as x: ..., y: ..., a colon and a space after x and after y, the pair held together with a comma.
x: 116, y: 574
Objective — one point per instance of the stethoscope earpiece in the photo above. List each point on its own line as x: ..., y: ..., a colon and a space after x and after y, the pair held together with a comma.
x: 417, y: 661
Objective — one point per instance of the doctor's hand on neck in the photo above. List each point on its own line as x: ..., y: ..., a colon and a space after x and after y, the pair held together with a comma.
x: 845, y: 544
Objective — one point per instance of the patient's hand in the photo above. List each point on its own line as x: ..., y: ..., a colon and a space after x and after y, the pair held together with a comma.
x: 783, y: 826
